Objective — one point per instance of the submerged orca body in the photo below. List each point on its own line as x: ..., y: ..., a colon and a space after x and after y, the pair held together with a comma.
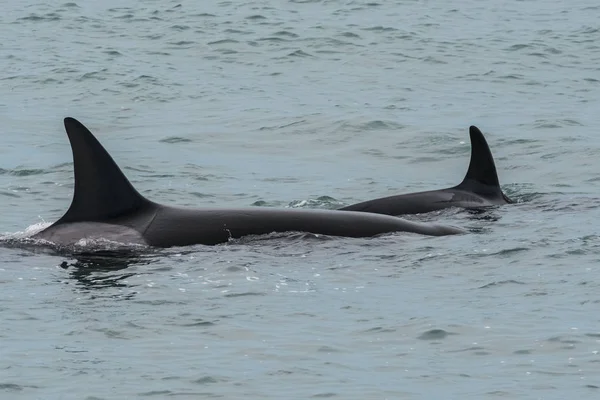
x: 479, y: 188
x: 106, y: 206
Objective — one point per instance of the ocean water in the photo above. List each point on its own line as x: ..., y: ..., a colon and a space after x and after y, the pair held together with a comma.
x: 312, y: 104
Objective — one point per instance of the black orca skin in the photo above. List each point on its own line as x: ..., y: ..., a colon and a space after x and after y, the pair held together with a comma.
x: 106, y: 206
x: 480, y: 188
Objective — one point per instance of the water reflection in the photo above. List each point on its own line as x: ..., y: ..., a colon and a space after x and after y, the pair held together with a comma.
x: 489, y: 214
x: 107, y: 268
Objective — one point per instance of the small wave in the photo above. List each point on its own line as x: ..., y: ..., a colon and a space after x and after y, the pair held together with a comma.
x: 182, y: 43
x: 350, y: 35
x: 205, y: 380
x: 23, y: 172
x: 324, y: 395
x: 93, y: 75
x: 543, y: 124
x: 47, y: 81
x: 433, y: 60
x: 202, y: 195
x: 286, y: 34
x: 380, y: 329
x: 505, y: 252
x: 244, y: 294
x: 563, y: 340
x: 175, y: 139
x: 435, y: 334
x: 13, y: 387
x: 512, y: 76
x: 162, y: 394
x: 380, y: 28
x: 41, y: 18
x: 223, y: 41
x: 299, y: 53
x: 200, y: 322
x: 277, y: 127
x: 374, y: 125
x: 471, y: 348
x: 272, y: 39
x: 499, y: 283
x: 517, y: 47
x: 9, y: 194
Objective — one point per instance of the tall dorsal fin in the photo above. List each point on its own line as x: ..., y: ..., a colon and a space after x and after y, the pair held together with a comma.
x: 481, y: 167
x: 482, y: 177
x: 102, y: 191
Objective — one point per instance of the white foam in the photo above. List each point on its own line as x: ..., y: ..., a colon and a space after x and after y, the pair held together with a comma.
x: 28, y: 232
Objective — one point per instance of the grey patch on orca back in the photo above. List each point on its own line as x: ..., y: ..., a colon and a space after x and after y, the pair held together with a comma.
x: 74, y: 232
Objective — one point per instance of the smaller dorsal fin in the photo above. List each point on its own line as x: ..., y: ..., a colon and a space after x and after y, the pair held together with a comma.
x: 102, y: 191
x: 481, y: 167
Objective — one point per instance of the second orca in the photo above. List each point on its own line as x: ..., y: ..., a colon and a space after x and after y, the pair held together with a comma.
x: 479, y: 188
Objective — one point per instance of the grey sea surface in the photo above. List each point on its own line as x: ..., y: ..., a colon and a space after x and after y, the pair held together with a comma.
x: 313, y: 104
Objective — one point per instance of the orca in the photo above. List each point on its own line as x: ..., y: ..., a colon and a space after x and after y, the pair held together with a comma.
x: 106, y: 206
x: 480, y: 188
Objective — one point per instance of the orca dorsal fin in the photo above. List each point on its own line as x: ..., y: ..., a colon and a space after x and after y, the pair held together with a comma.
x: 482, y: 168
x: 482, y: 177
x: 102, y: 192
